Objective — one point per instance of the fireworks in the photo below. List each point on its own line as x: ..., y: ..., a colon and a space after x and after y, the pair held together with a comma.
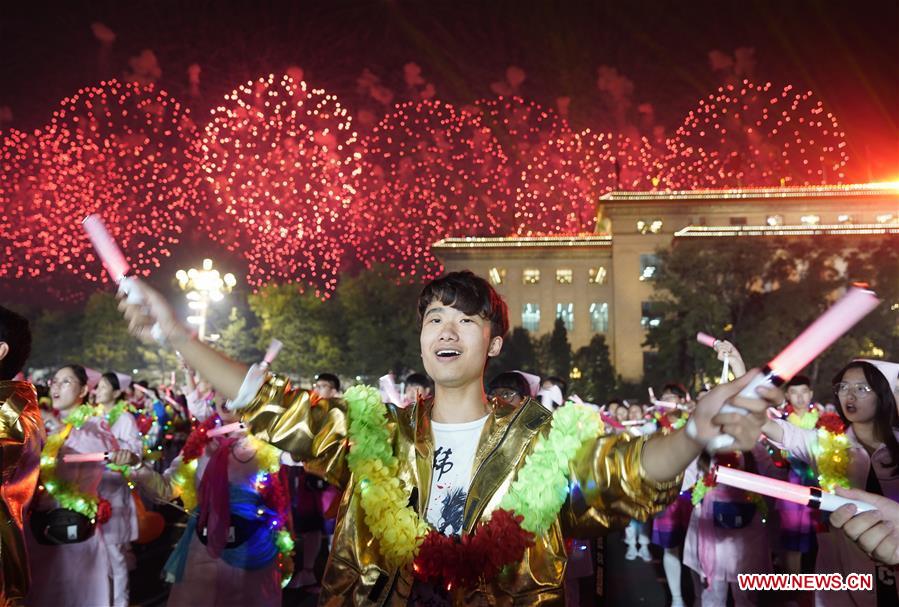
x: 752, y: 135
x: 430, y: 172
x: 277, y: 174
x: 279, y: 159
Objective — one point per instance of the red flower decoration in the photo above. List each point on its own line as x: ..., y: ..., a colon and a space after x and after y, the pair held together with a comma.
x: 198, y: 440
x: 461, y: 562
x: 831, y: 422
x: 104, y: 511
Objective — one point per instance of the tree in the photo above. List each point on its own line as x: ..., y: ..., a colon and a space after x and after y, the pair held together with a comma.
x: 240, y: 337
x: 381, y: 324
x: 107, y: 345
x: 597, y: 382
x: 558, y: 356
x: 760, y: 294
x: 517, y: 353
x: 56, y: 339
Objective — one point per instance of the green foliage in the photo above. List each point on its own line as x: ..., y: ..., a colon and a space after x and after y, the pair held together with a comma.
x: 760, y: 294
x: 558, y: 355
x: 597, y: 382
x: 239, y: 336
x: 517, y: 354
x: 106, y: 343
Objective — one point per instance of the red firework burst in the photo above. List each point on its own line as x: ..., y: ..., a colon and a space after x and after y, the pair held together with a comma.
x: 279, y: 159
x: 115, y: 149
x: 430, y: 172
x: 751, y: 135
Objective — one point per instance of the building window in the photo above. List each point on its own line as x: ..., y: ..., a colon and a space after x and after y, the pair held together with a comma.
x: 564, y: 276
x: 844, y: 218
x: 597, y: 276
x: 650, y: 315
x: 885, y: 218
x: 497, y: 275
x: 775, y: 220
x: 530, y: 317
x: 599, y: 317
x: 565, y: 311
x: 738, y: 221
x: 649, y: 265
x: 650, y: 226
x: 810, y: 220
x: 530, y: 276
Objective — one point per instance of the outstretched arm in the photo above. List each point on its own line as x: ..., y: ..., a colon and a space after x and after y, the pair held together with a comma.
x: 224, y: 374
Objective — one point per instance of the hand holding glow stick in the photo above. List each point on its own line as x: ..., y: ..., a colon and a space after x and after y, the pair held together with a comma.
x: 274, y: 347
x: 115, y: 263
x: 726, y: 369
x: 813, y: 497
x: 664, y: 404
x: 226, y: 429
x: 706, y: 339
x: 82, y: 458
x: 830, y: 326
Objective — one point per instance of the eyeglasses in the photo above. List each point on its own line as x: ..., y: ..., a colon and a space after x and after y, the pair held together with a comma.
x: 505, y: 395
x: 62, y: 384
x: 858, y: 390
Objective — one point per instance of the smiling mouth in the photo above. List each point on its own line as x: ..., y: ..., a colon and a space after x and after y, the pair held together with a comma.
x: 448, y: 354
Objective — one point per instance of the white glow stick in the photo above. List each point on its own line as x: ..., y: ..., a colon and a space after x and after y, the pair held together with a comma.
x: 114, y: 261
x: 389, y: 391
x: 633, y: 422
x: 830, y: 326
x: 664, y: 404
x: 274, y: 347
x: 813, y: 497
x: 226, y: 429
x: 724, y: 375
x: 78, y: 458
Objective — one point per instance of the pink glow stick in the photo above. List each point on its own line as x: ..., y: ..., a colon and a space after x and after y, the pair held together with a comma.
x: 77, y: 458
x: 273, y: 348
x: 812, y: 497
x: 227, y: 428
x: 633, y: 422
x: 706, y: 339
x: 830, y: 326
x: 109, y: 252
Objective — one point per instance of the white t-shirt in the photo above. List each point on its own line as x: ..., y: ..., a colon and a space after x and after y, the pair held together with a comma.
x: 454, y: 450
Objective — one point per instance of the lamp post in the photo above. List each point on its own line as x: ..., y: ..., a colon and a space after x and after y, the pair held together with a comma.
x: 203, y: 287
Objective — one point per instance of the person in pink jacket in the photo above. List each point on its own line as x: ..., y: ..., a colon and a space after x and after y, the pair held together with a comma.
x: 867, y: 406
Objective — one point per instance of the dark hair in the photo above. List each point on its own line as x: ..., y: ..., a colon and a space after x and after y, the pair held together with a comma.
x: 471, y: 295
x: 886, y: 419
x: 614, y: 401
x: 419, y: 379
x: 330, y: 378
x: 798, y: 380
x: 14, y: 330
x: 78, y: 371
x: 113, y: 380
x: 510, y: 380
x: 558, y: 381
x: 677, y: 389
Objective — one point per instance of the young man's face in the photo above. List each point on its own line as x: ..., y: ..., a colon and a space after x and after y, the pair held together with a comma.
x: 324, y: 389
x: 800, y: 396
x: 455, y: 346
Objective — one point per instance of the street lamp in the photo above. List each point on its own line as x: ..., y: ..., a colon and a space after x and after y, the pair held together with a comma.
x: 203, y: 287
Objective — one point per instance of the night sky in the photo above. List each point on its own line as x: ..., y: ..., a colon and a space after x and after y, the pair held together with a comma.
x: 846, y: 52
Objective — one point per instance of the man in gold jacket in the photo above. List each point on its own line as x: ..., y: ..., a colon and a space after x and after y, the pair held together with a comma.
x: 463, y: 321
x: 21, y: 439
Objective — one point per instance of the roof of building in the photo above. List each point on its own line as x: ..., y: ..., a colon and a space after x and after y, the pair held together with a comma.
x: 509, y: 242
x: 873, y: 229
x: 889, y: 188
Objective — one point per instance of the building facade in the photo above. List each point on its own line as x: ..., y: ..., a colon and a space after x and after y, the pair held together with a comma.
x: 602, y: 283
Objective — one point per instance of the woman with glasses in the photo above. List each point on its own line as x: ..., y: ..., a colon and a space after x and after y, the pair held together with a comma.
x: 866, y: 404
x: 121, y: 529
x: 66, y: 547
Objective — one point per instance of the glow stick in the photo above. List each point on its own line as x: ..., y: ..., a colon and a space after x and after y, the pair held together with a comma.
x: 114, y: 261
x: 389, y: 391
x: 273, y: 348
x: 706, y: 339
x: 633, y: 422
x: 109, y: 252
x: 725, y: 369
x: 830, y: 326
x: 813, y: 497
x: 78, y: 458
x: 226, y: 429
x: 663, y: 404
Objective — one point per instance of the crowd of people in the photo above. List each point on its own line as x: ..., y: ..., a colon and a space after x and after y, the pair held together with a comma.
x: 436, y: 489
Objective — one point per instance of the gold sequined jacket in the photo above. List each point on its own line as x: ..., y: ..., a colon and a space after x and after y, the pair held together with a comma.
x: 609, y: 488
x: 21, y: 440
